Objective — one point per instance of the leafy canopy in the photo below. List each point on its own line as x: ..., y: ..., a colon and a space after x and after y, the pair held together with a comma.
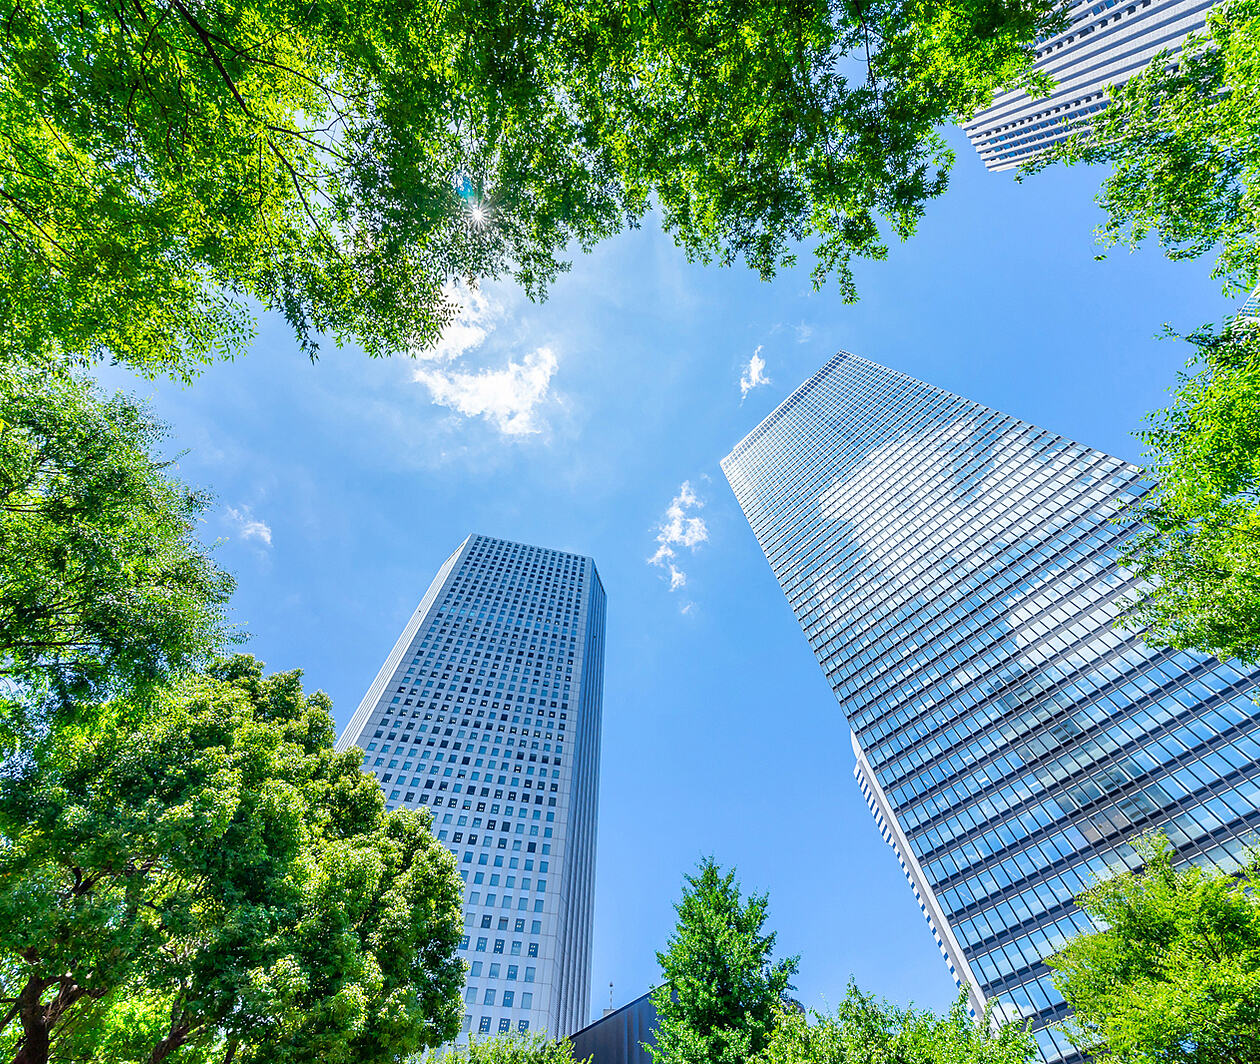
x: 103, y: 584
x: 206, y: 873
x: 1175, y: 977
x: 518, y: 1048
x: 720, y: 988
x: 1200, y: 549
x: 167, y: 166
x: 1184, y: 143
x: 865, y: 1029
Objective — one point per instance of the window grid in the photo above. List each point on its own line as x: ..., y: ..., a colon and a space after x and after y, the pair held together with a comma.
x: 487, y: 714
x: 955, y: 572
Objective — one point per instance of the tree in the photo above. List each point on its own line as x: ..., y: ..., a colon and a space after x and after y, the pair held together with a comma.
x: 210, y: 859
x: 519, y: 1048
x: 720, y: 989
x: 1184, y: 141
x: 119, y: 1027
x: 103, y: 584
x: 1200, y: 549
x: 166, y: 164
x: 1175, y: 975
x: 865, y: 1029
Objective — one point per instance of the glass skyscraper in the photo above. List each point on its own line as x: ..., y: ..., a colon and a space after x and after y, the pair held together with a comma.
x: 1106, y: 42
x: 488, y: 711
x: 955, y: 571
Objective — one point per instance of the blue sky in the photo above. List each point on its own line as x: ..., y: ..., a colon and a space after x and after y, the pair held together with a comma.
x: 577, y: 424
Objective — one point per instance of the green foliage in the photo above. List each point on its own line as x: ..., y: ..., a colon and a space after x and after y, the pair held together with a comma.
x: 166, y: 164
x: 735, y: 115
x: 518, y: 1048
x: 865, y: 1029
x: 1200, y: 550
x: 118, y: 1028
x: 103, y: 585
x: 1175, y: 977
x: 1184, y: 141
x: 210, y: 861
x: 720, y: 987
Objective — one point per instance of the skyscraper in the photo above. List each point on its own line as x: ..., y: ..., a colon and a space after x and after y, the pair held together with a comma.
x: 488, y: 711
x: 955, y: 571
x: 1105, y: 43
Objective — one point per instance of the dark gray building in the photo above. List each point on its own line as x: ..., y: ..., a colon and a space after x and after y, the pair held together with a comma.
x: 618, y: 1036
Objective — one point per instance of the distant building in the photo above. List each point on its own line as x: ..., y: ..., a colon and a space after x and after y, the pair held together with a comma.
x: 1106, y: 43
x: 956, y: 573
x: 488, y: 711
x: 618, y: 1037
x: 1251, y: 308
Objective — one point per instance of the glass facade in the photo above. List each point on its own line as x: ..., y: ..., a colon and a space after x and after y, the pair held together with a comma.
x: 488, y: 712
x: 1106, y: 42
x: 955, y: 571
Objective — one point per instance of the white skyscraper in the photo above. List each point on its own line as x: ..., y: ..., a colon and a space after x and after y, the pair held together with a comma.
x: 1106, y: 43
x: 488, y: 711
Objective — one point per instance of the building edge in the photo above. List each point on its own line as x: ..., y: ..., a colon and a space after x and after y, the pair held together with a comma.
x: 370, y: 700
x: 890, y: 829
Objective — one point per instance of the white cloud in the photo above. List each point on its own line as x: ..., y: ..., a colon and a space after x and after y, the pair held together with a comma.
x: 681, y: 528
x: 754, y: 375
x: 249, y: 526
x: 474, y: 321
x: 804, y: 333
x: 508, y: 397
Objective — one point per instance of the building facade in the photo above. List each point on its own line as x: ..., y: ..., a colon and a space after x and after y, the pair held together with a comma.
x: 620, y: 1036
x: 1251, y: 306
x: 1105, y: 43
x: 488, y: 713
x: 956, y: 573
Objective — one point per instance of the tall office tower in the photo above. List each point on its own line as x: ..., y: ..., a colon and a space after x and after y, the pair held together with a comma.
x: 955, y: 571
x: 488, y: 711
x: 1106, y: 43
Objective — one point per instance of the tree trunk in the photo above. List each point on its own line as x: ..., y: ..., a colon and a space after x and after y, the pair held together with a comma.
x: 32, y: 1047
x: 174, y: 1039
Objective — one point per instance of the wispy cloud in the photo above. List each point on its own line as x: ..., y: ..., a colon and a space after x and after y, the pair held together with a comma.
x: 507, y: 397
x: 476, y: 318
x: 754, y: 375
x: 248, y: 526
x: 681, y: 528
x: 804, y: 332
